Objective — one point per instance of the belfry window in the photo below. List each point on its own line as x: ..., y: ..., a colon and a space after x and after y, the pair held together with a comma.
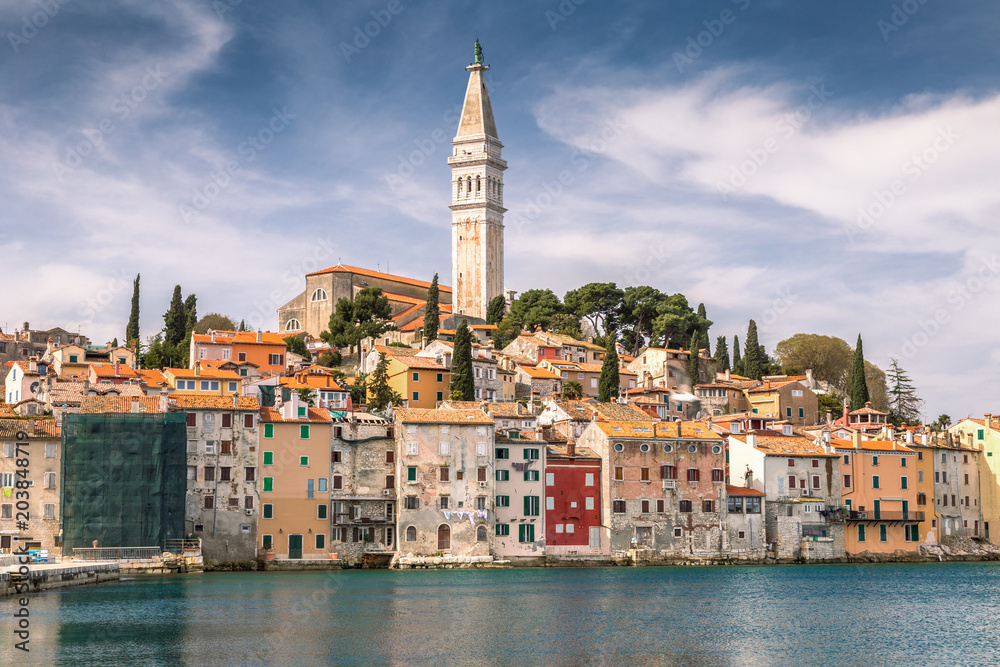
x: 477, y: 185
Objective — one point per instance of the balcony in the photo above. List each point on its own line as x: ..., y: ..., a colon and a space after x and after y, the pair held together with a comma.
x: 883, y: 516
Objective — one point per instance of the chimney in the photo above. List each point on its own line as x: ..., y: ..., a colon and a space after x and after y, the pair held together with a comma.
x: 259, y: 339
x: 751, y: 439
x: 826, y: 437
x: 570, y: 447
x: 846, y: 421
x: 809, y: 378
x: 909, y: 437
x: 989, y: 420
x: 135, y: 405
x: 197, y: 369
x: 86, y: 386
x: 729, y: 376
x: 678, y: 422
x: 33, y: 365
x: 116, y: 369
x: 236, y: 401
x: 856, y: 439
x: 163, y: 399
x: 212, y: 331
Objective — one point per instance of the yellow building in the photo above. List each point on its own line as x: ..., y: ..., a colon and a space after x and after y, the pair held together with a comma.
x: 201, y: 381
x: 930, y: 525
x: 984, y: 436
x: 420, y: 381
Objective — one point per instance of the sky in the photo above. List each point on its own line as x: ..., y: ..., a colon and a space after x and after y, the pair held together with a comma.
x: 819, y: 167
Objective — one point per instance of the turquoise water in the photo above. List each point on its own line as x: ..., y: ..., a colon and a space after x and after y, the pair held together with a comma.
x: 937, y: 614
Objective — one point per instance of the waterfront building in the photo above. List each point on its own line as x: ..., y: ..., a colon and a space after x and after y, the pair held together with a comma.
x: 879, y: 495
x: 574, y: 503
x: 929, y: 527
x: 445, y: 477
x: 520, y: 494
x: 294, y: 466
x: 40, y: 529
x: 666, y: 486
x: 800, y: 479
x: 746, y: 536
x: 363, y: 489
x: 975, y: 445
x: 222, y: 499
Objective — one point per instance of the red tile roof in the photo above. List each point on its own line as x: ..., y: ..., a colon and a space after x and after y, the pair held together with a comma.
x: 742, y: 491
x: 431, y: 416
x: 342, y: 268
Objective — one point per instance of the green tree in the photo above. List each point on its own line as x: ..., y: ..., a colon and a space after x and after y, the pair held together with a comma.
x: 535, y: 309
x: 943, y: 421
x: 462, y: 384
x: 703, y: 325
x: 754, y: 363
x: 859, y: 385
x: 380, y: 394
x: 496, y: 309
x: 693, y: 358
x: 828, y: 357
x: 505, y: 333
x: 830, y: 402
x: 190, y: 314
x: 640, y: 307
x: 609, y: 384
x: 359, y: 390
x: 572, y: 390
x: 904, y: 404
x: 722, y: 353
x: 243, y: 325
x: 296, y: 345
x: 674, y: 319
x: 565, y: 323
x: 432, y: 311
x: 329, y: 359
x: 599, y: 303
x: 737, y: 359
x: 307, y: 396
x: 114, y: 342
x: 175, y: 320
x: 215, y: 322
x: 353, y: 320
x: 132, y: 328
x: 154, y: 355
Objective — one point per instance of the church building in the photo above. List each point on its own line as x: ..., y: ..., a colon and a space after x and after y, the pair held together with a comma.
x: 477, y: 237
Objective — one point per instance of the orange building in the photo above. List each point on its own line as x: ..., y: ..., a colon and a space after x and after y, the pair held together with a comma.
x: 294, y: 463
x: 263, y: 349
x: 879, y: 491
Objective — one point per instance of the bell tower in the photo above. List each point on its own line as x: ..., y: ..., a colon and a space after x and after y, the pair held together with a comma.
x: 476, y: 200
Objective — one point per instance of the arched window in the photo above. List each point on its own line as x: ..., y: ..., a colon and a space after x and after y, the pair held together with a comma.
x: 292, y: 325
x: 481, y: 534
x: 318, y: 295
x: 477, y: 185
x: 411, y: 534
x: 468, y: 183
x: 459, y: 186
x: 444, y: 537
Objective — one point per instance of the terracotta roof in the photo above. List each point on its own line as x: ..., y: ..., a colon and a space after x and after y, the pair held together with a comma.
x: 241, y: 337
x: 202, y: 374
x: 420, y: 363
x: 342, y: 268
x: 108, y: 370
x: 35, y: 428
x: 151, y: 377
x: 742, y: 491
x: 312, y: 415
x: 539, y: 373
x: 866, y: 411
x: 215, y: 402
x: 430, y: 416
x: 555, y: 451
x: 396, y: 350
x: 788, y: 445
x: 66, y: 393
x: 870, y: 445
x: 519, y: 360
x: 651, y: 429
x: 105, y: 404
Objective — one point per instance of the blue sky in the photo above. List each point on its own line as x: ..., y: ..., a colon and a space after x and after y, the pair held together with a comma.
x: 819, y: 167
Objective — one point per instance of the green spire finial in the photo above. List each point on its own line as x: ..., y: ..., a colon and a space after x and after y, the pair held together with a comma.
x: 479, y: 52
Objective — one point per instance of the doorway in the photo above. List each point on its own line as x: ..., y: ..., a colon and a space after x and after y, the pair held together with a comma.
x: 295, y: 546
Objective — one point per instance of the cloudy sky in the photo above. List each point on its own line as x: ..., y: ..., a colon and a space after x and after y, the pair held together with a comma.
x: 819, y: 167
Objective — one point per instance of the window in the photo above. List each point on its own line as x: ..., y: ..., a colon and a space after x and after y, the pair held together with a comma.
x: 292, y: 325
x: 802, y: 413
x: 268, y: 457
x: 481, y: 534
x: 619, y: 473
x: 668, y: 472
x: 481, y: 449
x: 481, y: 475
x: 320, y: 541
x: 921, y: 499
x: 248, y: 421
x: 920, y: 476
x: 526, y: 532
x: 209, y: 474
x: 874, y: 460
x: 502, y: 453
x: 847, y: 481
x: 411, y: 503
x: 50, y: 451
x: 861, y: 532
x: 735, y: 505
x: 644, y: 474
x: 503, y: 529
x: 717, y: 475
x: 503, y: 475
x: 209, y: 502
x: 304, y: 431
x: 686, y: 506
x: 902, y: 462
x: 192, y: 419
x: 411, y: 474
x: 318, y: 295
x: 225, y: 474
x: 589, y: 504
x: 268, y: 430
x: 440, y: 378
x: 530, y: 454
x: 883, y: 533
x: 276, y: 359
x: 788, y: 412
x: 618, y: 507
x: 791, y: 463
x: 678, y: 531
x: 248, y: 502
x: 7, y: 511
x: 267, y: 542
x: 920, y: 456
x: 875, y: 482
x: 531, y: 506
x: 694, y: 474
x: 503, y: 501
x: 903, y: 483
x: 815, y: 480
x: 338, y: 482
x: 589, y: 479
x: 250, y: 474
x: 443, y: 502
x: 390, y: 481
x: 444, y: 474
x: 707, y: 506
x: 269, y: 484
x: 912, y: 533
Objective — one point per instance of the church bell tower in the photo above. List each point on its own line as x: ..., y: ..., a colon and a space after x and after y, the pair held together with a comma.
x: 476, y: 200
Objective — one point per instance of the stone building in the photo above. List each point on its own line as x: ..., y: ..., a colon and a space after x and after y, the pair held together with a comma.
x: 363, y: 488
x: 476, y: 200
x: 984, y: 435
x: 569, y: 418
x: 957, y: 488
x: 746, y: 538
x: 784, y: 398
x: 666, y: 487
x: 531, y: 381
x: 445, y: 477
x: 222, y: 499
x: 37, y: 442
x: 801, y: 482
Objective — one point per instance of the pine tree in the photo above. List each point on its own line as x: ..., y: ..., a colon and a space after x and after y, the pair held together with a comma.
x: 432, y: 312
x: 609, y: 384
x: 737, y: 359
x: 380, y: 394
x: 904, y: 404
x: 463, y: 386
x: 753, y: 362
x: 243, y: 325
x: 496, y: 309
x: 859, y: 386
x: 114, y: 343
x: 722, y: 353
x: 132, y: 328
x: 704, y: 323
x: 175, y: 320
x: 693, y: 358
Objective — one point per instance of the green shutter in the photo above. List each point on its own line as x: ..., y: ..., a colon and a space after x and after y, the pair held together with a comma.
x: 303, y: 460
x: 304, y: 431
x: 269, y: 484
x: 268, y: 457
x: 268, y: 430
x: 411, y: 474
x: 268, y: 511
x: 882, y: 532
x: 861, y: 532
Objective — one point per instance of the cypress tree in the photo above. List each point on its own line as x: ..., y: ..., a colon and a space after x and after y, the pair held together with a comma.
x: 722, y: 353
x: 753, y: 362
x: 175, y: 320
x: 609, y: 384
x: 132, y: 328
x: 693, y: 358
x: 191, y: 314
x: 463, y: 386
x: 496, y: 309
x: 432, y: 312
x: 243, y: 325
x: 704, y: 324
x: 859, y: 387
x: 737, y: 359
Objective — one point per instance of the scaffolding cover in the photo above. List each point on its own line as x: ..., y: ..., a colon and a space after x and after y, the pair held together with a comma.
x: 123, y: 479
